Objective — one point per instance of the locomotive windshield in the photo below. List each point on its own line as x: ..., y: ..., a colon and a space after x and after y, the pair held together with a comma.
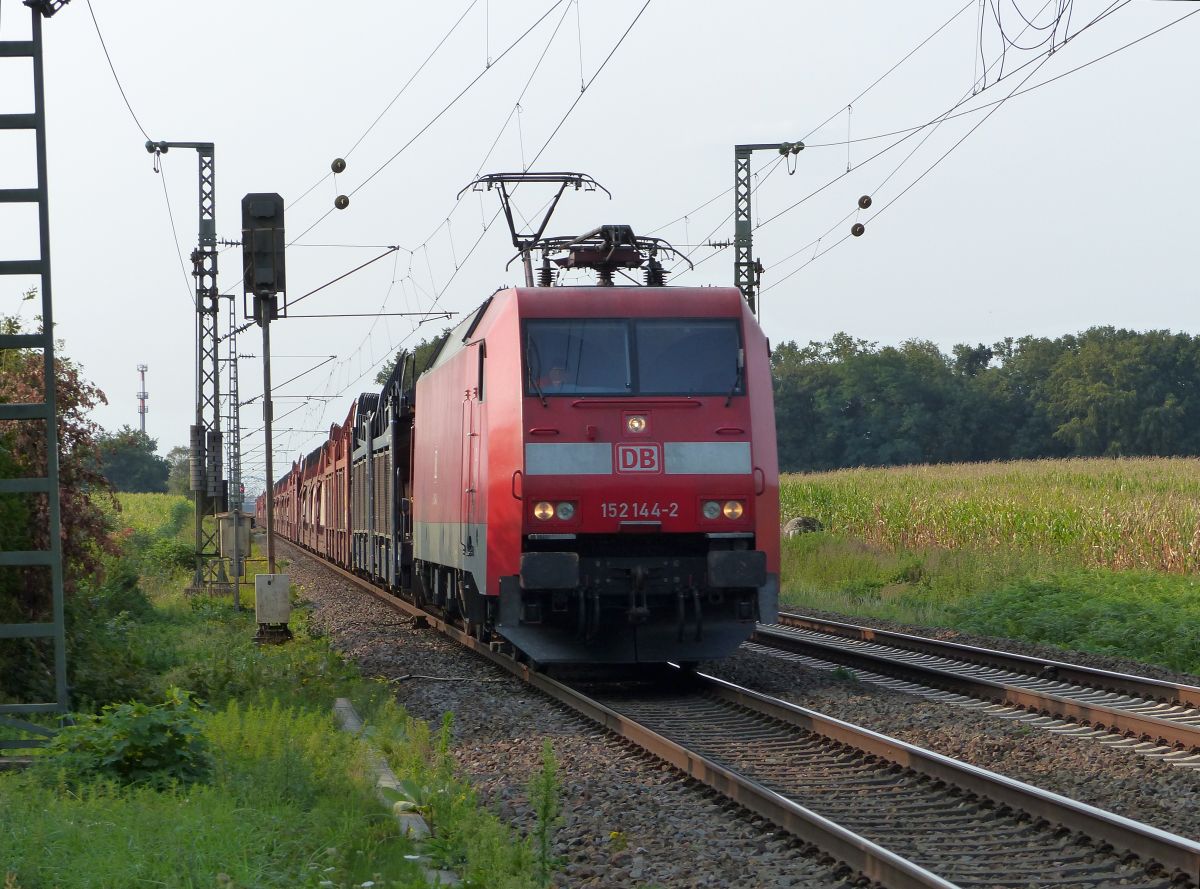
x: 659, y: 356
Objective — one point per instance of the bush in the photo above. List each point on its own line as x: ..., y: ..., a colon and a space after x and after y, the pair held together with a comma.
x: 107, y: 660
x: 164, y: 557
x: 152, y: 744
x: 1140, y: 614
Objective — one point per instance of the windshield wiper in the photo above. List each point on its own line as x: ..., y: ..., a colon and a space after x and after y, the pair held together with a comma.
x: 536, y: 355
x: 737, y: 381
x: 538, y: 389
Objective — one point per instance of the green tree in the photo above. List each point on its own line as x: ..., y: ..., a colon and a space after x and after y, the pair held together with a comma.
x: 1104, y: 391
x: 178, y: 471
x: 424, y: 351
x: 128, y: 460
x: 26, y: 669
x: 848, y: 402
x: 1121, y: 393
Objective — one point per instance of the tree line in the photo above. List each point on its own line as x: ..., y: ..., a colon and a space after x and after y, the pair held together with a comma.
x: 849, y: 402
x: 1103, y: 392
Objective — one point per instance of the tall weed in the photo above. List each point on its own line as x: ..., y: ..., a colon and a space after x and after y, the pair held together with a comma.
x: 1122, y: 514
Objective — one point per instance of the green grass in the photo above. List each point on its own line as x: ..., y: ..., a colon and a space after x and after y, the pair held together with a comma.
x: 1145, y: 615
x: 1092, y: 555
x: 288, y: 801
x: 288, y: 790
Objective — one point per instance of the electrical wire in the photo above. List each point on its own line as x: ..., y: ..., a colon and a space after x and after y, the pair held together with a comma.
x: 525, y: 88
x: 881, y: 77
x: 187, y: 287
x: 393, y: 101
x: 439, y: 292
x: 166, y: 195
x: 945, y: 115
x: 591, y: 80
x: 841, y: 108
x: 1017, y: 94
x: 113, y: 69
x: 439, y: 115
x: 388, y: 252
x: 1017, y: 91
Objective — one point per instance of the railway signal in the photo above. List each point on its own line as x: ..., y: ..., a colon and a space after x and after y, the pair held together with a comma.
x: 263, y: 280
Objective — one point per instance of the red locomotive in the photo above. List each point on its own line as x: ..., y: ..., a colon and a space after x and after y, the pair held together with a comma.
x: 588, y: 473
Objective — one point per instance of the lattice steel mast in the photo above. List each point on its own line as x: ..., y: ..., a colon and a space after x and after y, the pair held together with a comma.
x: 206, y: 441
x: 746, y: 268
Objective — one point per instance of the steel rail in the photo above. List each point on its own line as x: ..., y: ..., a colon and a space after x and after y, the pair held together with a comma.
x: 1125, y: 683
x: 1094, y: 714
x: 868, y: 858
x: 1174, y: 853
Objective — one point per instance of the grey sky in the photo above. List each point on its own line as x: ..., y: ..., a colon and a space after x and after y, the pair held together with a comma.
x: 1067, y: 208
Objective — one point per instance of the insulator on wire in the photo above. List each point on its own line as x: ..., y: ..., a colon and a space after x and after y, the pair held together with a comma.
x: 857, y: 229
x: 338, y: 165
x: 545, y: 273
x: 341, y: 202
x: 864, y: 202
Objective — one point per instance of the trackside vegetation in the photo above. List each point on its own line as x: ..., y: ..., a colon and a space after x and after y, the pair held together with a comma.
x: 211, y: 762
x: 1098, y: 555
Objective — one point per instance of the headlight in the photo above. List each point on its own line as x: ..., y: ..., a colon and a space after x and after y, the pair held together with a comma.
x: 543, y: 510
x: 566, y: 510
x: 635, y: 424
x: 733, y: 509
x: 711, y: 509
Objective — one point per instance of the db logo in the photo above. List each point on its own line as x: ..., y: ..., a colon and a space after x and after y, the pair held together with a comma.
x: 639, y: 458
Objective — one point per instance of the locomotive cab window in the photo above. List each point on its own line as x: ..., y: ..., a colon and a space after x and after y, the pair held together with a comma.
x: 688, y: 357
x: 584, y: 356
x: 653, y: 356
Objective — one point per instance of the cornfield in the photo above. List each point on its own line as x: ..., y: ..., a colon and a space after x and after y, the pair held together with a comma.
x: 1111, y: 513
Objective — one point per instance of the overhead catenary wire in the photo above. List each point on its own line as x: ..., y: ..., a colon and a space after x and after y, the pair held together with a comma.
x: 439, y: 114
x: 994, y: 106
x: 591, y: 80
x: 113, y: 69
x: 841, y: 108
x: 137, y: 122
x: 945, y: 115
x: 1017, y: 94
x: 393, y: 100
x: 906, y: 133
x: 187, y: 286
x: 440, y: 291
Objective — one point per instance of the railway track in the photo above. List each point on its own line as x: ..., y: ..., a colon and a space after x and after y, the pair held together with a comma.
x: 1153, y: 717
x: 899, y: 815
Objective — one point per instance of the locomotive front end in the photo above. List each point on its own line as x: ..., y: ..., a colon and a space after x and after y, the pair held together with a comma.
x: 649, y: 486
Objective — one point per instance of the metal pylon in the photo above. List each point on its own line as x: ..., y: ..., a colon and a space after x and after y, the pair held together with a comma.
x: 234, y: 456
x: 234, y: 450
x: 747, y: 270
x: 206, y: 442
x: 45, y: 413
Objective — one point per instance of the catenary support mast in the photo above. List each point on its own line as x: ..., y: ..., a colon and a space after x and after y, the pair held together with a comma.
x: 746, y: 268
x: 206, y: 441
